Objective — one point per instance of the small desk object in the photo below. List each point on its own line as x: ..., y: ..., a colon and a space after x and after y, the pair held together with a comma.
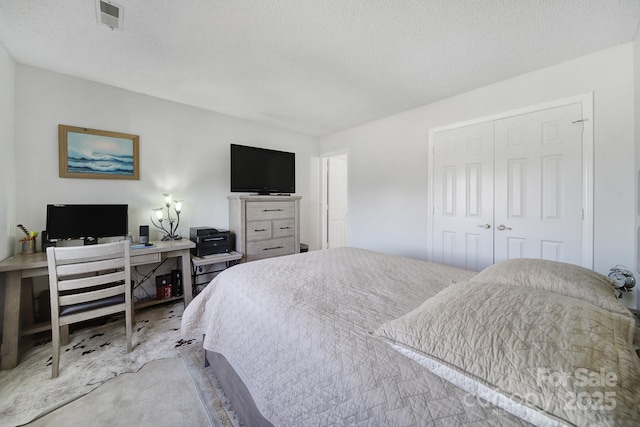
x: 20, y: 267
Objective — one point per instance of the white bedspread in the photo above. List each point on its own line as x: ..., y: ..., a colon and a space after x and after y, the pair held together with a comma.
x: 297, y: 330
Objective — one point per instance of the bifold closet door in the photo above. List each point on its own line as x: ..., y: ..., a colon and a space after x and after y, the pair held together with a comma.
x: 538, y: 185
x: 509, y: 188
x: 463, y: 197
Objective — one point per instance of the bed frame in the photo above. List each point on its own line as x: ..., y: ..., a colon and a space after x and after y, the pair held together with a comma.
x: 236, y: 390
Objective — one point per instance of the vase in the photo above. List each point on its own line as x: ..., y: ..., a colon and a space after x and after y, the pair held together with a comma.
x: 28, y: 246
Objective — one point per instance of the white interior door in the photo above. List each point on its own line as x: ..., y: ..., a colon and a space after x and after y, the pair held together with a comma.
x: 463, y: 197
x: 538, y: 185
x: 337, y: 213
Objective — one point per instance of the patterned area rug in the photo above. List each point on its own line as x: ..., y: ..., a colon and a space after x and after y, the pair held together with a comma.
x: 93, y: 356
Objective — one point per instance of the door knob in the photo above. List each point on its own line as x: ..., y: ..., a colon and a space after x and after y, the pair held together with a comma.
x: 502, y: 227
x: 485, y: 226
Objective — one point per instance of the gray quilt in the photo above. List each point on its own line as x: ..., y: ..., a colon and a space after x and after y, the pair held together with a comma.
x: 298, y: 331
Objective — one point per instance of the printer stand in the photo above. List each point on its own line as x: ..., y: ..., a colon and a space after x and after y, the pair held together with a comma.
x: 199, y: 263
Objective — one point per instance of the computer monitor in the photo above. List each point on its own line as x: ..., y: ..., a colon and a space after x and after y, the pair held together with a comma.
x: 88, y: 222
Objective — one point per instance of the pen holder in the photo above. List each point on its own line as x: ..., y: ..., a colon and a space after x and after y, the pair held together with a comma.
x: 28, y: 246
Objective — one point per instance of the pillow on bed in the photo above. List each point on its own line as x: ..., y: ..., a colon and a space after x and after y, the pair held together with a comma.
x: 543, y: 356
x: 562, y: 278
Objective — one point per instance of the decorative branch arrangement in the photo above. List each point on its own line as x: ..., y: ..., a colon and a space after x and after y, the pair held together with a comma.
x: 29, y: 235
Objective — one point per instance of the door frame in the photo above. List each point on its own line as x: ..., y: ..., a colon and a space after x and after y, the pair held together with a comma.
x: 324, y: 194
x: 586, y: 100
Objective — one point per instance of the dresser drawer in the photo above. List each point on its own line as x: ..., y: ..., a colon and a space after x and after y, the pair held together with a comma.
x: 258, y: 211
x: 283, y: 227
x: 258, y: 230
x: 270, y: 248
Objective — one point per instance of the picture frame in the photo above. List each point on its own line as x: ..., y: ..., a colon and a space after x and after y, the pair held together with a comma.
x: 97, y: 154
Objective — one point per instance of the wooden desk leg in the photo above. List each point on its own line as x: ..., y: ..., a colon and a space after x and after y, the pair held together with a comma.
x: 11, y: 326
x: 187, y: 288
x: 27, y: 311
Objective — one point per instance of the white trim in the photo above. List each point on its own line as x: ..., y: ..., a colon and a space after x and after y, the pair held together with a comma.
x: 324, y: 194
x: 587, y: 180
x: 335, y: 153
x: 586, y: 100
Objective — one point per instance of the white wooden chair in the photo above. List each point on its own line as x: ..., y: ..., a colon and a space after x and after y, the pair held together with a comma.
x: 87, y: 282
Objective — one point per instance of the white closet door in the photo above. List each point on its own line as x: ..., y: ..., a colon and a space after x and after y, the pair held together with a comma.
x: 463, y: 197
x: 337, y: 201
x: 538, y: 185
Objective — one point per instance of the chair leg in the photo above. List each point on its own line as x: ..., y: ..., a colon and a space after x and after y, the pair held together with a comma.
x: 55, y: 341
x: 64, y: 335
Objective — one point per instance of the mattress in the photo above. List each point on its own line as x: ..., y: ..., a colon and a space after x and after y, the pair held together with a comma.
x: 353, y: 337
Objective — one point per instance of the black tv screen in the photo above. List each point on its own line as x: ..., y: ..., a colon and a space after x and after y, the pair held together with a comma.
x: 262, y: 170
x: 86, y: 221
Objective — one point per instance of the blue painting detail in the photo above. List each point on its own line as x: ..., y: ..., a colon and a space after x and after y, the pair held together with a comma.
x: 99, y: 154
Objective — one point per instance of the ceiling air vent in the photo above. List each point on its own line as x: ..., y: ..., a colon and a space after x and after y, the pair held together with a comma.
x: 110, y: 14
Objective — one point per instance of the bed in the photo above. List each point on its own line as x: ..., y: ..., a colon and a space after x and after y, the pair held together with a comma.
x: 353, y: 337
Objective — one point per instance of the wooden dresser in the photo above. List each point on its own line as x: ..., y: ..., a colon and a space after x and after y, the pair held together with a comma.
x: 265, y: 226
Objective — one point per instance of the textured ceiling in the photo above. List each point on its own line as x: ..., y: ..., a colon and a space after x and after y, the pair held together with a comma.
x: 313, y: 66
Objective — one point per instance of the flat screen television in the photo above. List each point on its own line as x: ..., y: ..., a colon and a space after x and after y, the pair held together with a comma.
x: 88, y: 222
x: 262, y: 170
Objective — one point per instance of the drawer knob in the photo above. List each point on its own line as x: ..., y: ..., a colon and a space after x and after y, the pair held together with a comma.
x: 272, y: 210
x: 284, y: 228
x: 262, y: 229
x: 275, y: 247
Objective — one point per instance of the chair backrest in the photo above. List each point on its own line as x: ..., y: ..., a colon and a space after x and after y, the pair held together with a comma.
x: 87, y: 281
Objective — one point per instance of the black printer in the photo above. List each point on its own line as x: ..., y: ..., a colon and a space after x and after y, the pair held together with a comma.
x: 210, y: 241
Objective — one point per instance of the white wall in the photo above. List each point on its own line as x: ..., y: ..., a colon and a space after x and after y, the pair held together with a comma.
x: 388, y: 158
x: 7, y: 159
x: 7, y: 169
x: 183, y: 150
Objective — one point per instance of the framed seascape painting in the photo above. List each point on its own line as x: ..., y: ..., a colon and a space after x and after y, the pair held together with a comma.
x: 91, y: 153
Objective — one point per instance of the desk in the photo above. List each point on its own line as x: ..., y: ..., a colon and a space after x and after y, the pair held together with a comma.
x: 20, y: 267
